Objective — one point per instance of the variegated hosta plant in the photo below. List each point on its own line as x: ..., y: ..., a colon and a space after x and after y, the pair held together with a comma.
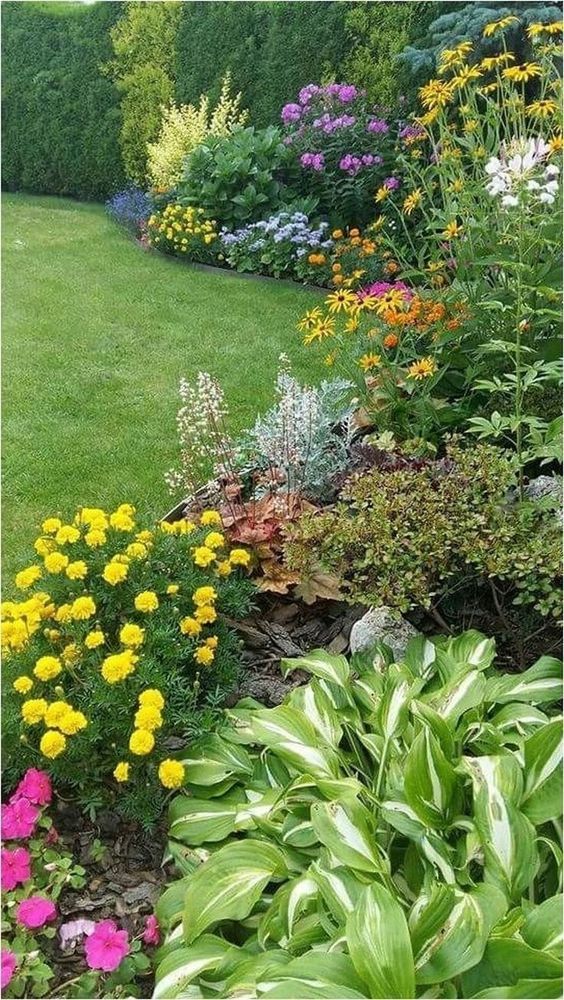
x: 391, y: 830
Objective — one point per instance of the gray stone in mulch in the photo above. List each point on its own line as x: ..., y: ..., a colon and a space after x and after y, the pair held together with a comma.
x: 382, y: 624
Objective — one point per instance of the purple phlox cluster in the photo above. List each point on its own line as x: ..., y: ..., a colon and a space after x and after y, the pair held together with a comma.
x: 131, y: 207
x: 352, y: 164
x: 378, y: 125
x: 392, y: 183
x: 344, y: 93
x: 291, y: 113
x: 316, y: 161
x: 291, y: 227
x: 329, y: 124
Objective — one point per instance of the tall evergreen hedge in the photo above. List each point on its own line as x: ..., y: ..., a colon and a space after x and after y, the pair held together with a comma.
x: 61, y: 115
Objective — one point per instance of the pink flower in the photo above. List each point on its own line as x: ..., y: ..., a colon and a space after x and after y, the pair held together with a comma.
x: 16, y: 867
x: 18, y: 819
x: 35, y: 786
x: 151, y: 934
x: 9, y: 963
x: 35, y: 911
x: 106, y: 947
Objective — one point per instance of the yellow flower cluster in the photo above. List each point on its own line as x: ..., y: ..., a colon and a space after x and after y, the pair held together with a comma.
x: 60, y: 718
x: 181, y: 229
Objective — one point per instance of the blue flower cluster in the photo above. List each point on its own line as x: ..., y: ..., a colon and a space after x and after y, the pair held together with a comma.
x: 285, y: 227
x: 130, y: 208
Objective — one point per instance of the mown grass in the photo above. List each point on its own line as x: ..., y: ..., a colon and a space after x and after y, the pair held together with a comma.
x: 96, y: 335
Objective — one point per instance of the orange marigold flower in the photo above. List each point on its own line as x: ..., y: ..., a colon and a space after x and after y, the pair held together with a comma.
x: 391, y: 340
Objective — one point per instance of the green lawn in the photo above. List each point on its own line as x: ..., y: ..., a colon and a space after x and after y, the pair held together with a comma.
x: 96, y: 335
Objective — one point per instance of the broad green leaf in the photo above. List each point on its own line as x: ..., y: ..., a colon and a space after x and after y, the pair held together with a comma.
x: 312, y: 701
x: 464, y: 691
x: 333, y: 668
x: 522, y: 718
x: 250, y: 970
x: 287, y: 731
x: 419, y: 657
x: 347, y: 829
x: 292, y: 988
x: 466, y: 651
x: 430, y: 781
x: 339, y: 888
x: 441, y: 729
x: 402, y: 817
x: 212, y: 760
x: 170, y: 906
x: 543, y: 929
x: 437, y: 852
x: 379, y: 944
x: 525, y: 989
x: 198, y: 821
x: 178, y: 969
x: 505, y: 962
x: 319, y: 971
x: 540, y: 683
x: 542, y: 796
x: 228, y: 885
x: 393, y: 710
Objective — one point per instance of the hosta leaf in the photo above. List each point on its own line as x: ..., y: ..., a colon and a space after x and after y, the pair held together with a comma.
x: 347, y: 830
x: 319, y: 970
x: 197, y: 821
x: 430, y: 781
x: 178, y: 969
x: 505, y: 962
x: 287, y: 731
x: 464, y: 691
x: 519, y: 718
x: 292, y: 988
x: 331, y: 667
x: 228, y: 885
x: 419, y: 656
x: 212, y: 760
x: 540, y: 683
x: 525, y: 989
x: 379, y: 944
x: 542, y: 795
x: 313, y: 702
x: 441, y: 729
x: 542, y: 928
x: 242, y: 981
x: 339, y: 888
x: 302, y: 894
x: 402, y: 817
x: 437, y: 852
x: 170, y: 906
x: 298, y: 832
x: 393, y: 710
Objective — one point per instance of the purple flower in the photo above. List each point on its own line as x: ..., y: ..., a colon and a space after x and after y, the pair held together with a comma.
x: 291, y: 113
x: 306, y: 93
x: 410, y: 132
x: 392, y: 183
x: 378, y: 125
x: 314, y: 160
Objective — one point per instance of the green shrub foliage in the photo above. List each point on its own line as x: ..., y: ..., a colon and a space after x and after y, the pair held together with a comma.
x: 61, y: 116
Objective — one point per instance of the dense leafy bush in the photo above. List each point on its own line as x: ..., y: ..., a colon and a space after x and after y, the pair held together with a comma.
x: 60, y: 115
x: 402, y: 538
x: 182, y: 230
x: 280, y: 245
x: 390, y: 830
x: 118, y: 652
x: 130, y: 208
x: 236, y: 178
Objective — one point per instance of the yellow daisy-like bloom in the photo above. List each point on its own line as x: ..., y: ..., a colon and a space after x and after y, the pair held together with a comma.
x: 450, y: 58
x: 421, y: 369
x: 132, y: 635
x: 72, y: 722
x: 22, y: 684
x: 70, y: 654
x: 52, y: 744
x: 224, y: 568
x: 310, y: 319
x: 141, y: 742
x: 204, y: 595
x: 95, y: 538
x: 33, y: 711
x: 189, y: 626
x: 77, y: 570
x: 118, y: 666
x: 493, y: 62
x: 336, y: 301
x: 494, y: 26
x: 556, y: 143
x: 466, y: 75
x: 94, y: 639
x: 172, y: 589
x: 121, y: 771
x: 67, y: 533
x: 114, y: 573
x: 153, y: 697
x: 325, y: 328
x: 368, y: 361
x: 542, y: 109
x: 27, y: 577
x: 536, y: 29
x: 522, y: 74
x: 436, y: 94
x: 171, y: 773
x: 148, y: 717
x: 47, y: 668
x: 83, y: 608
x: 204, y: 656
x: 136, y: 550
x: 382, y: 193
x: 55, y: 562
x: 205, y: 615
x: 203, y: 556
x: 209, y: 518
x: 452, y: 230
x: 412, y: 201
x: 214, y: 540
x: 55, y: 712
x: 51, y: 525
x: 146, y: 601
x: 330, y: 358
x: 239, y: 557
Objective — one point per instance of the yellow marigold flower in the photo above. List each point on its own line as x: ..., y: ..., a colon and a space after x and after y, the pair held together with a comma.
x: 83, y: 608
x: 224, y: 567
x: 204, y: 656
x: 22, y: 684
x: 72, y: 722
x: 43, y: 546
x: 47, y: 668
x: 337, y: 234
x: 136, y: 550
x: 148, y: 717
x: 52, y: 634
x: 239, y: 557
x: 33, y: 711
x: 522, y: 74
x: 55, y: 562
x: 204, y: 595
x: 466, y: 75
x: 368, y: 361
x: 95, y: 538
x: 121, y: 771
x: 189, y: 626
x: 77, y: 570
x: 421, y: 369
x: 55, y: 712
x: 120, y: 557
x: 494, y: 26
x: 141, y: 742
x: 146, y: 537
x: 94, y: 639
x: 452, y: 230
x: 146, y: 601
x: 208, y: 518
x: 27, y: 577
x: 114, y: 573
x: 132, y: 635
x: 94, y: 517
x: 336, y: 301
x: 152, y: 697
x: 64, y: 613
x: 171, y: 773
x: 325, y: 328
x: 51, y: 525
x: 52, y: 743
x: 172, y: 589
x: 412, y: 201
x: 203, y: 556
x: 542, y: 109
x: 70, y: 654
x: 121, y: 521
x: 205, y: 615
x: 214, y: 540
x: 67, y: 533
x: 118, y: 666
x: 212, y: 641
x: 436, y: 94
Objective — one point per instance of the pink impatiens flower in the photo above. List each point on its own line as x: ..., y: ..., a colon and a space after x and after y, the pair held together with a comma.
x: 18, y: 819
x: 15, y: 867
x: 9, y: 963
x: 35, y: 911
x: 35, y: 786
x: 151, y: 934
x: 106, y: 947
